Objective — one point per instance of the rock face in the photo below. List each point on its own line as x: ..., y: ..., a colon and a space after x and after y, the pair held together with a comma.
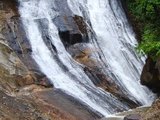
x: 23, y: 108
x: 25, y: 92
x: 72, y: 28
x: 16, y: 39
x: 151, y: 75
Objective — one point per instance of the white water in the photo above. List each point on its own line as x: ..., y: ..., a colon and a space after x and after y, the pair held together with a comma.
x: 117, y: 41
x: 118, y: 57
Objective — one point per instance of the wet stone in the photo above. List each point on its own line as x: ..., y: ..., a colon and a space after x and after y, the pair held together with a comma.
x: 133, y: 117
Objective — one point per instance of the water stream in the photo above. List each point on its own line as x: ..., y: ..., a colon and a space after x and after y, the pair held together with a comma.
x: 113, y: 36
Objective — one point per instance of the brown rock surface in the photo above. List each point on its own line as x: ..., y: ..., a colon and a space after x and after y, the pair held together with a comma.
x: 150, y: 113
x: 144, y: 113
x: 25, y: 108
x: 25, y: 92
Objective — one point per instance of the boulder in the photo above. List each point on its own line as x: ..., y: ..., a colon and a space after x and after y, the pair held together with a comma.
x: 25, y: 92
x: 17, y: 67
x: 132, y: 117
x: 151, y: 75
x: 71, y: 30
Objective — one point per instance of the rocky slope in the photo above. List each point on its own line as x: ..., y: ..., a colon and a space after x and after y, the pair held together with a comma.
x: 26, y: 93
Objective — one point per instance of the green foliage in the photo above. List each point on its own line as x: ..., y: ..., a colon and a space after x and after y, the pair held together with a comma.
x: 147, y: 12
x: 151, y: 48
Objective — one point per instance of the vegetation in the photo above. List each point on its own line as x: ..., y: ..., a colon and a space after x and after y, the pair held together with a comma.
x: 147, y: 13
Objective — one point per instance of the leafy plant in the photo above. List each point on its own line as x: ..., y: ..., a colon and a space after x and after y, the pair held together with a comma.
x: 147, y: 12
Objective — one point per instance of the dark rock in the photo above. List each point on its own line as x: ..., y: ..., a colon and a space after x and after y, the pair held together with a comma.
x: 81, y: 24
x: 12, y: 4
x: 72, y: 28
x: 133, y: 117
x: 41, y: 79
x: 16, y: 36
x: 150, y: 75
x: 33, y: 77
x: 157, y: 66
x: 68, y: 30
x: 67, y: 27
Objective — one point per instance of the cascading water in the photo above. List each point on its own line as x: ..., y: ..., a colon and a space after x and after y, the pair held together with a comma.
x: 117, y: 41
x: 114, y: 37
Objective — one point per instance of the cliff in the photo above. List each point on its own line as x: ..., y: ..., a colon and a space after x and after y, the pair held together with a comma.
x: 26, y: 93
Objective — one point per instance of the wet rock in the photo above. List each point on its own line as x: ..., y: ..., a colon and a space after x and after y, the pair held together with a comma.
x: 136, y: 25
x: 16, y: 36
x: 16, y: 62
x: 25, y: 92
x: 68, y: 30
x: 72, y: 28
x: 84, y: 54
x: 69, y: 104
x: 19, y: 75
x: 41, y: 79
x: 100, y: 79
x: 29, y: 108
x: 150, y: 75
x: 133, y: 117
x: 81, y: 24
x: 19, y: 43
x: 43, y: 25
x: 62, y: 7
x: 11, y: 69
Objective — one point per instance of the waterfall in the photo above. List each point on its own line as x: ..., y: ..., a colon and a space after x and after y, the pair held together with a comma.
x: 117, y: 41
x: 112, y: 35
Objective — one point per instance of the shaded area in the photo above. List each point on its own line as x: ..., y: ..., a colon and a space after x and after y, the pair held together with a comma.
x: 151, y: 75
